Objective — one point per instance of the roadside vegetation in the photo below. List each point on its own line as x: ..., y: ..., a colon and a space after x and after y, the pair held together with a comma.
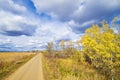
x: 11, y: 61
x: 68, y: 68
x: 99, y: 58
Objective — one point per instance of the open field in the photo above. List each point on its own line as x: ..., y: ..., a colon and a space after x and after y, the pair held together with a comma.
x: 10, y: 61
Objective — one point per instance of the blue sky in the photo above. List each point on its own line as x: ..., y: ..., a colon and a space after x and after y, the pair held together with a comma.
x: 31, y: 24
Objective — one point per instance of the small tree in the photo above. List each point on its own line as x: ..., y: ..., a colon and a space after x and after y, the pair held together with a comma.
x: 62, y: 44
x: 115, y: 24
x: 50, y: 47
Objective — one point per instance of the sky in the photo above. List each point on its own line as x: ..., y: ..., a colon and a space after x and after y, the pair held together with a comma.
x: 30, y: 24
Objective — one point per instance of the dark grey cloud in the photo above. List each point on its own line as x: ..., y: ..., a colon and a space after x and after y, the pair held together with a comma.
x: 80, y: 11
x: 97, y: 10
x: 25, y: 29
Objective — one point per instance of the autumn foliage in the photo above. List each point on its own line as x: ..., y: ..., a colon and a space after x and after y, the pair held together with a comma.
x: 100, y: 53
x: 102, y: 46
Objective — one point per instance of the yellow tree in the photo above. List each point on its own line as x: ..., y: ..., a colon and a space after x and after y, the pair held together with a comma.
x: 89, y: 40
x: 101, y: 47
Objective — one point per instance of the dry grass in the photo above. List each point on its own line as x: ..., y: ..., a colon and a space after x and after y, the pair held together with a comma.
x: 13, y: 56
x: 68, y: 69
x: 10, y: 61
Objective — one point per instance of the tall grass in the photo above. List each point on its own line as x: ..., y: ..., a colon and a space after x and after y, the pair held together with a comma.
x: 10, y: 61
x: 67, y: 68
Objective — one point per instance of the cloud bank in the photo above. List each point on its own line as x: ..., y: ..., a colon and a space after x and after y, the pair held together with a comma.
x: 30, y: 25
x: 82, y: 12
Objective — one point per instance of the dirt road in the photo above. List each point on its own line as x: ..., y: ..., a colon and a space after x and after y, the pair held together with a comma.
x: 32, y: 70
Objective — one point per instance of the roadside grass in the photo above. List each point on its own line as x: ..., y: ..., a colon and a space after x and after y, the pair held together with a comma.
x: 60, y: 68
x: 11, y: 61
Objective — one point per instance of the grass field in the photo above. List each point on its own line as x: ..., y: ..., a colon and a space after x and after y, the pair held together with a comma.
x: 59, y: 68
x: 10, y: 61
